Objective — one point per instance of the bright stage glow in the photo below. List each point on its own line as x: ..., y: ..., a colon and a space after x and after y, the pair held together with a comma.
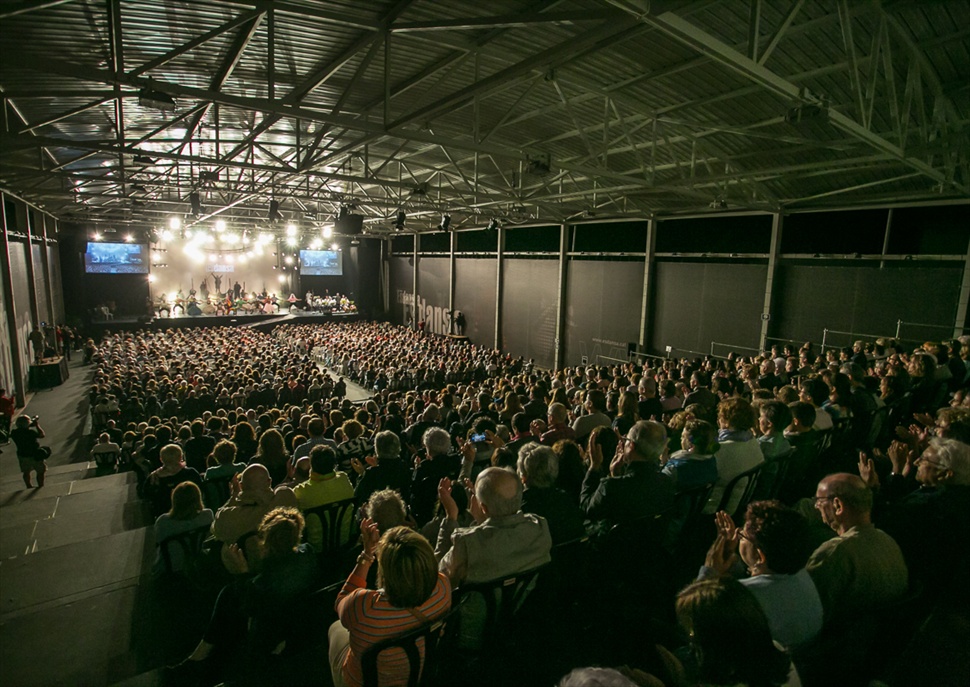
x: 166, y: 235
x: 288, y: 259
x: 282, y: 278
x: 292, y: 242
x: 316, y: 244
x: 175, y: 223
x: 334, y: 247
x: 327, y: 231
x: 129, y: 238
x: 97, y: 236
x: 189, y: 233
x: 151, y: 278
x: 220, y: 225
x: 291, y: 230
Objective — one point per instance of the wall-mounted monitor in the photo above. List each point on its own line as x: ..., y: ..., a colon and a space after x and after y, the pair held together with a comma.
x: 116, y: 258
x: 328, y: 263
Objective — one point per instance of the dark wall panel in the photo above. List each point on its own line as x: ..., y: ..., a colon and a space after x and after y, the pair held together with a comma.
x: 865, y: 300
x: 401, y: 285
x: 40, y: 285
x: 57, y: 287
x: 604, y: 300
x: 433, y: 278
x: 475, y: 296
x: 529, y: 309
x: 21, y: 298
x: 6, y: 354
x: 699, y: 303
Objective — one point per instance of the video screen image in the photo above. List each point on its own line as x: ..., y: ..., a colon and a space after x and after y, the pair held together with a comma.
x: 321, y: 263
x: 116, y: 258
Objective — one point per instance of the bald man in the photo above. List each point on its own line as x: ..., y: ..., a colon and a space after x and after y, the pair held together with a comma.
x: 252, y: 498
x: 862, y: 567
x: 503, y: 541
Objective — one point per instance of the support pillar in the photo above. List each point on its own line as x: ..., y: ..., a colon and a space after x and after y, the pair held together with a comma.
x: 499, y: 274
x: 561, y: 299
x: 777, y: 220
x: 649, y: 268
x: 962, y: 305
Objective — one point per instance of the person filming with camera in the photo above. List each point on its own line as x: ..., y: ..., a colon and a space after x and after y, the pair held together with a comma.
x: 31, y: 455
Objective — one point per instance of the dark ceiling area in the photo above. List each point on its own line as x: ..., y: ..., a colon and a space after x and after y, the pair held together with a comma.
x: 122, y: 114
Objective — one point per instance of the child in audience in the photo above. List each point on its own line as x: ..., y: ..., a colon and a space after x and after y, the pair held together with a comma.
x: 774, y: 418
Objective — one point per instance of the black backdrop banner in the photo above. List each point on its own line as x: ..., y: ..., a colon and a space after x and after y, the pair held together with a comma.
x: 475, y: 297
x: 529, y: 302
x: 604, y: 300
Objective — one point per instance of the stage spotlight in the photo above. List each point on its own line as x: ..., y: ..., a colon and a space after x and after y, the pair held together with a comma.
x: 282, y: 278
x: 292, y: 242
x: 220, y: 225
x: 335, y: 247
x: 316, y: 244
x: 189, y: 233
x: 175, y: 223
x: 166, y: 235
x: 355, y: 241
x: 97, y: 236
x: 399, y: 220
x: 288, y: 259
x: 274, y: 210
x: 327, y: 231
x: 129, y: 238
x: 151, y: 278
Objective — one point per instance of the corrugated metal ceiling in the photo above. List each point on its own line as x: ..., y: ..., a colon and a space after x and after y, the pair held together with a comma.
x: 510, y: 109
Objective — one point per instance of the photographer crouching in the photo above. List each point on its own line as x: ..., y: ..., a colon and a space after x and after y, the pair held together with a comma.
x: 27, y: 435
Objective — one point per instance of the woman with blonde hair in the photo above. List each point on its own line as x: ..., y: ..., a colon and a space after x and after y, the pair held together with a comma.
x: 411, y: 593
x: 185, y: 515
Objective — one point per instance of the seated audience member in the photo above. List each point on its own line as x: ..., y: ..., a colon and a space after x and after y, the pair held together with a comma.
x: 538, y: 467
x: 635, y: 487
x: 504, y: 541
x: 186, y: 514
x: 773, y: 418
x: 730, y: 638
x: 272, y: 454
x: 816, y: 392
x: 521, y: 432
x: 439, y: 462
x: 387, y: 509
x: 105, y: 447
x: 557, y: 427
x: 244, y: 438
x: 804, y: 439
x: 226, y: 466
x: 572, y: 467
x: 648, y: 405
x: 326, y: 485
x: 928, y: 514
x: 694, y: 464
x: 253, y: 497
x: 596, y: 416
x: 385, y: 470
x: 256, y: 610
x: 701, y: 394
x: 198, y: 448
x: 301, y: 473
x: 412, y: 593
x: 161, y: 482
x: 862, y: 567
x: 739, y: 451
x: 774, y: 544
x: 595, y: 676
x: 316, y: 428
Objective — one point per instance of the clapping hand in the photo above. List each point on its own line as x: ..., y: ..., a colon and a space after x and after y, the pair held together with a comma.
x: 902, y: 457
x: 369, y: 535
x: 722, y: 554
x: 446, y: 499
x: 867, y: 471
x: 725, y: 524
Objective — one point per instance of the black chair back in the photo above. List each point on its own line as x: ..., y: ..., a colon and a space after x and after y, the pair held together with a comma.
x: 685, y: 514
x: 420, y: 672
x: 216, y: 492
x: 503, y: 597
x: 773, y: 474
x: 191, y: 546
x: 746, y: 482
x: 333, y: 517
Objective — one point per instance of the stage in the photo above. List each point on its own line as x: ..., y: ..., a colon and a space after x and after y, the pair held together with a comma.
x: 257, y: 321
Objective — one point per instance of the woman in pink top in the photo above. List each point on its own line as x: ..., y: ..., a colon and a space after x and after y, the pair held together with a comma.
x: 412, y: 593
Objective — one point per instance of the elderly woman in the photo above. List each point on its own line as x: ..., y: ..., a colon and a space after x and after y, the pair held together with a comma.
x: 412, y: 593
x: 925, y: 506
x: 774, y: 543
x: 538, y: 467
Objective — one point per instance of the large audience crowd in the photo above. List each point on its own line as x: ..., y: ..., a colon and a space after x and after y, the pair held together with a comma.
x: 812, y: 491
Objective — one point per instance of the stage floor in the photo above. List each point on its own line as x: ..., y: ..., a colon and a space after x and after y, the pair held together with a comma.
x: 256, y: 320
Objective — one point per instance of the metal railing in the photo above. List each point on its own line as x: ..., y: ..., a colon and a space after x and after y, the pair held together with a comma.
x: 901, y: 323
x: 732, y: 347
x: 852, y: 335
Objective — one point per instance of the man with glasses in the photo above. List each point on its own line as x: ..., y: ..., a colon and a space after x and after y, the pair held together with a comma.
x: 635, y: 487
x: 862, y: 567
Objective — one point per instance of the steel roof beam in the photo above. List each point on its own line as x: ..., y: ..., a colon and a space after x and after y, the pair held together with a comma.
x: 14, y: 8
x: 692, y: 36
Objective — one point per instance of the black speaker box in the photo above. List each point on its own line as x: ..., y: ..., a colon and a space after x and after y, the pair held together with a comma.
x: 349, y: 224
